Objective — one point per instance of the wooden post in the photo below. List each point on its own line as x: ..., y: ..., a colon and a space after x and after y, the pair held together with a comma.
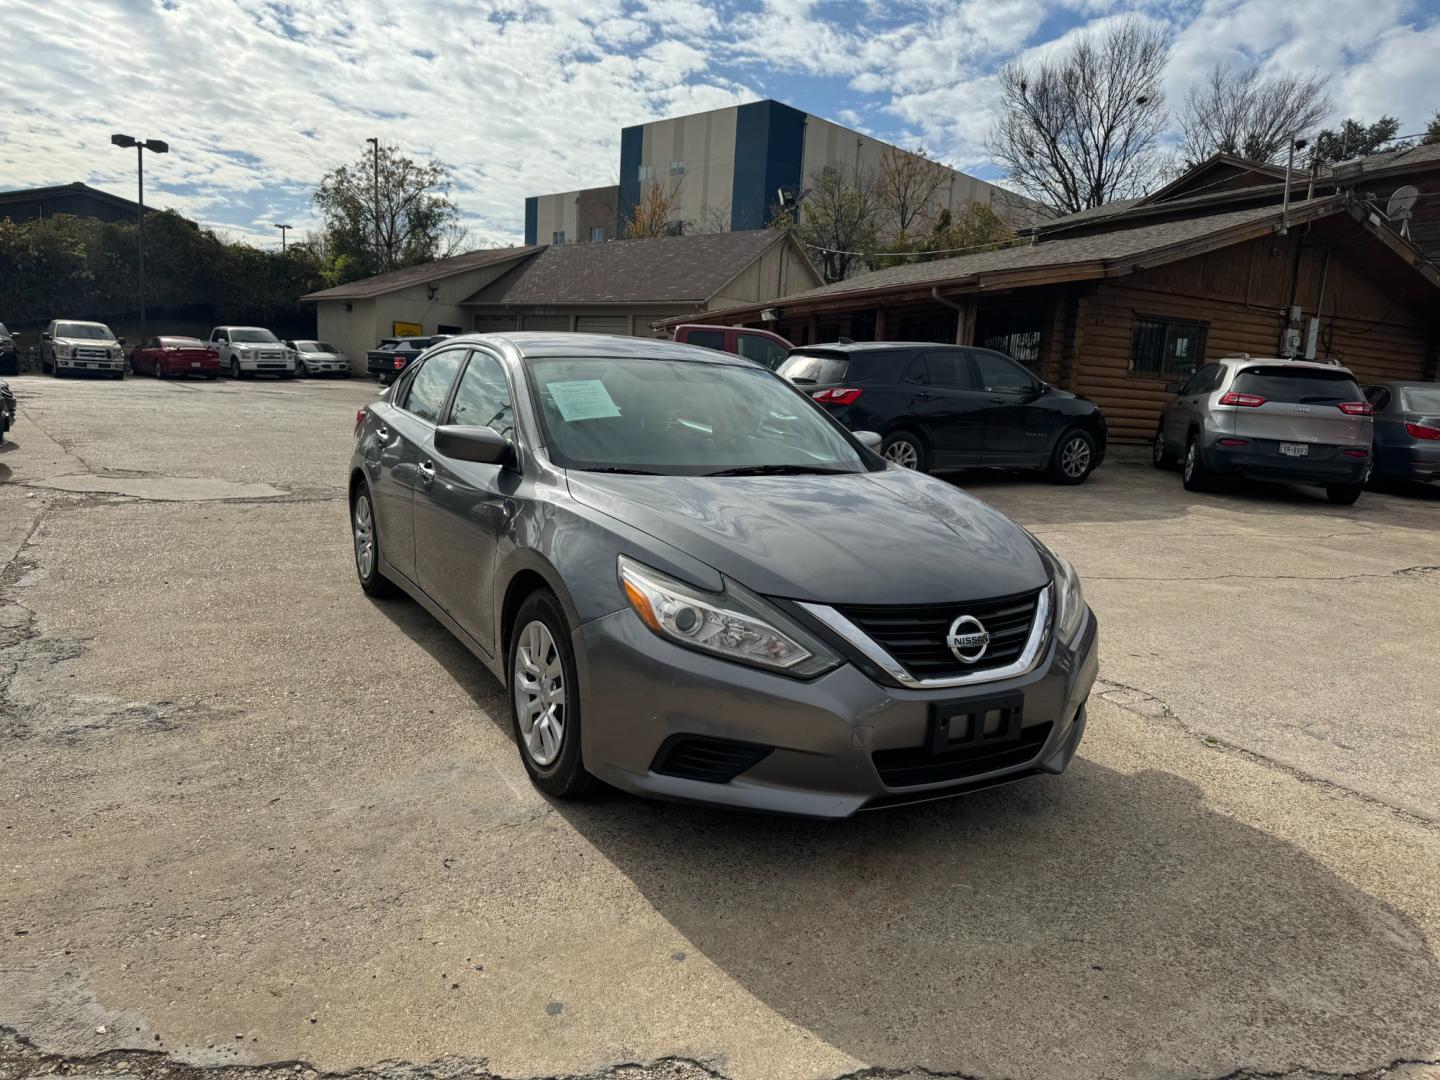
x: 965, y: 322
x: 880, y: 328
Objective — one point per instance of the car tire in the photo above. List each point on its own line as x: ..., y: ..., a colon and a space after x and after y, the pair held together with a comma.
x: 1193, y: 472
x: 1160, y: 455
x: 1073, y: 458
x: 1343, y: 494
x: 364, y: 529
x: 540, y: 627
x: 159, y: 370
x: 905, y: 449
x: 235, y: 369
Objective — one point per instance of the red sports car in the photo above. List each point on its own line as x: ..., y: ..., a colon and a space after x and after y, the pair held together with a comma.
x: 165, y: 356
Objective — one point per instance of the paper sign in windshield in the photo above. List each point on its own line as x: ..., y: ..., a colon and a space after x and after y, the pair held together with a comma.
x: 583, y: 399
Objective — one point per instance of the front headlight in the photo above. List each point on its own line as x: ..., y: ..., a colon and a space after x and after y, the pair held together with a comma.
x: 1069, y: 601
x: 63, y: 351
x: 735, y: 624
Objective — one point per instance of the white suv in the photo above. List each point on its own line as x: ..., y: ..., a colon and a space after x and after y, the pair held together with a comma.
x: 69, y: 345
x: 252, y: 350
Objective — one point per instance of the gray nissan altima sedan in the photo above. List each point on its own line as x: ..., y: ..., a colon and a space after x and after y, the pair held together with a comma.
x: 696, y: 585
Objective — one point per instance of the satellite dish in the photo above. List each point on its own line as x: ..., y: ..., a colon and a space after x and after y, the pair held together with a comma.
x: 1401, y: 207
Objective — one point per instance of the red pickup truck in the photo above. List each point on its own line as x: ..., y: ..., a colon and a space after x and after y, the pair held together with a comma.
x: 765, y: 348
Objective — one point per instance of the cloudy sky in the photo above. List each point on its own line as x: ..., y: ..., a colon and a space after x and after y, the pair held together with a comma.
x: 521, y: 97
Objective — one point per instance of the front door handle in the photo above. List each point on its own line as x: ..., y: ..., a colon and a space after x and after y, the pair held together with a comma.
x: 924, y: 395
x: 427, y: 473
x: 997, y: 401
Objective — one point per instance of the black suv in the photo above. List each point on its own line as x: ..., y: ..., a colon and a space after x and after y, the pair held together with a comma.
x: 947, y: 406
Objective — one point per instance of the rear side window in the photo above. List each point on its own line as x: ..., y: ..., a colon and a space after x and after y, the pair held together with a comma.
x: 805, y: 369
x: 706, y: 339
x: 949, y: 368
x: 432, y: 384
x: 1298, y: 386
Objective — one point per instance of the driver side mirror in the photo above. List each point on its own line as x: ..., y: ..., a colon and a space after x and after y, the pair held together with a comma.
x: 868, y: 439
x: 1173, y: 387
x: 120, y: 341
x: 45, y: 335
x: 483, y: 445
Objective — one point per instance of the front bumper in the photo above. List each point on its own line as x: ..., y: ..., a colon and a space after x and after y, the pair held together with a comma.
x: 326, y: 367
x: 640, y: 692
x: 1261, y: 459
x: 67, y: 363
x: 265, y: 367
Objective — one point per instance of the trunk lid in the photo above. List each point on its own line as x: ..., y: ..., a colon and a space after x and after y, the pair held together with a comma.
x: 1298, y: 403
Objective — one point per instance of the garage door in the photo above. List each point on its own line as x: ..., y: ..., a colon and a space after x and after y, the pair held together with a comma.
x: 604, y: 324
x: 494, y: 324
x: 545, y: 322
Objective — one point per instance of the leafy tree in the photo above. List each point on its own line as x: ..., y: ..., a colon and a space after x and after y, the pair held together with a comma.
x: 1354, y: 138
x: 1432, y: 129
x: 654, y: 211
x: 978, y: 227
x: 387, y: 211
x: 1081, y: 129
x: 837, y: 220
x: 1241, y: 114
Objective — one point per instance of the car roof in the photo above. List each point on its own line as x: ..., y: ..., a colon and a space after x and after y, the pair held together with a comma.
x: 871, y: 346
x: 81, y: 322
x: 1314, y: 365
x: 537, y: 344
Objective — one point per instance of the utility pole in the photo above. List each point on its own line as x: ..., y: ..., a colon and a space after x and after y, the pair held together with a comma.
x: 155, y: 146
x: 283, y: 229
x: 375, y: 147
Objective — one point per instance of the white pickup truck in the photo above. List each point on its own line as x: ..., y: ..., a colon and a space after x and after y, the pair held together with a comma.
x: 246, y: 351
x: 69, y: 345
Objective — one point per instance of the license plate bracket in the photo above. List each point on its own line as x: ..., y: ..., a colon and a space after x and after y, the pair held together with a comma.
x: 1294, y: 449
x: 965, y: 725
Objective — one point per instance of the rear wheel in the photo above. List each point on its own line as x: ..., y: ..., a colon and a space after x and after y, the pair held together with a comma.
x: 367, y: 546
x: 1073, y: 458
x: 545, y: 699
x: 159, y: 370
x: 1343, y: 494
x: 1160, y: 455
x: 1194, y: 473
x: 905, y: 449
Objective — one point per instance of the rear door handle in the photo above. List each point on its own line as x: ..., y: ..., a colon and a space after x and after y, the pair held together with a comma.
x: 997, y: 401
x: 924, y: 395
x: 427, y: 473
x: 382, y: 433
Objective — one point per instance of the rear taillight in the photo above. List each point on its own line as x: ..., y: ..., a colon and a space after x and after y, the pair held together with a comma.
x: 837, y: 396
x: 1248, y: 400
x: 399, y: 362
x: 1356, y: 408
x: 1233, y: 442
x: 1422, y: 431
x: 1356, y: 452
x: 359, y: 417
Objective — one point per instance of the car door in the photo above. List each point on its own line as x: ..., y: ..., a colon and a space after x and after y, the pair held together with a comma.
x: 943, y: 396
x: 463, y: 508
x: 1189, y: 404
x: 405, y: 438
x: 1019, y: 429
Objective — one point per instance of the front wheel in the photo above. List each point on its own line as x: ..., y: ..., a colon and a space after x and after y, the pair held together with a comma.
x: 906, y: 450
x: 367, y: 546
x: 1073, y: 458
x: 545, y: 698
x: 1160, y: 455
x: 1343, y: 494
x: 235, y: 369
x: 1194, y: 474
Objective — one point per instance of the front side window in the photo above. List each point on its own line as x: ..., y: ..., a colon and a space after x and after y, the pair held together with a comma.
x: 1000, y: 375
x: 1163, y: 348
x: 682, y: 418
x: 431, y: 384
x: 760, y: 349
x: 482, y: 399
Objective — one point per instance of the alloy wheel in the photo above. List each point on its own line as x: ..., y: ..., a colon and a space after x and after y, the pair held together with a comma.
x: 1075, y: 457
x: 1190, y: 455
x: 539, y: 683
x: 364, y: 523
x: 1157, y: 449
x: 903, y: 453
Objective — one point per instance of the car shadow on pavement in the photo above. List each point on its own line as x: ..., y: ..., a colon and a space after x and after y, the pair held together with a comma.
x: 1099, y: 923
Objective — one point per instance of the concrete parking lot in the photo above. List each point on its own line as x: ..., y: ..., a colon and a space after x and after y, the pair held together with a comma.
x: 255, y: 823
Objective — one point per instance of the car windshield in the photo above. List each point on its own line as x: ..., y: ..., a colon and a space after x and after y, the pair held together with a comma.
x: 682, y: 418
x: 84, y: 331
x: 1423, y: 399
x: 262, y: 337
x: 1297, y: 385
x: 315, y: 347
x: 182, y: 343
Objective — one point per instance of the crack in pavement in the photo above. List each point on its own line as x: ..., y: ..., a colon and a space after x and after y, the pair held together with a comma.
x: 1407, y: 571
x: 1146, y: 705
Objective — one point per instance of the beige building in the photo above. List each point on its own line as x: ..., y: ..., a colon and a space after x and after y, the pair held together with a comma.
x: 728, y: 168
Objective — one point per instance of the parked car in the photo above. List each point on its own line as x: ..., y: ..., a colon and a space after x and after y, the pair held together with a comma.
x: 767, y: 349
x: 9, y: 354
x: 7, y: 408
x: 68, y: 345
x: 387, y: 360
x: 1270, y: 419
x: 1407, y: 430
x: 318, y: 358
x: 945, y: 406
x: 697, y: 586
x: 247, y: 351
x: 174, y: 356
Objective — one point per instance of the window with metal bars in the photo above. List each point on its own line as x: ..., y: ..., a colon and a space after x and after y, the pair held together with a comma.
x: 1162, y: 348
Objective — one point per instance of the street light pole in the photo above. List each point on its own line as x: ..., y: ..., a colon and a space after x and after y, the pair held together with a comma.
x: 283, y: 229
x: 155, y: 146
x: 375, y: 147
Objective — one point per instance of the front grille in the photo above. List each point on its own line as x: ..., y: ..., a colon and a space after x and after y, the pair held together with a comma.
x: 92, y: 354
x: 915, y: 634
x: 715, y: 761
x: 271, y: 356
x: 913, y: 765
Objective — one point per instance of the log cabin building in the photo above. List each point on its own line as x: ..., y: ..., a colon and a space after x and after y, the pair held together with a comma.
x: 1116, y: 302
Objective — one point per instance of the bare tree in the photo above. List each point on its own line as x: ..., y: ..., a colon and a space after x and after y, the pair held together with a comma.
x: 1080, y: 129
x: 714, y: 219
x: 836, y: 220
x: 654, y: 211
x: 1239, y: 113
x: 905, y: 185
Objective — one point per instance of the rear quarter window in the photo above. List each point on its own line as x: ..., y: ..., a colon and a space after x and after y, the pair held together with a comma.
x: 1298, y: 386
x: 1422, y: 399
x: 805, y: 369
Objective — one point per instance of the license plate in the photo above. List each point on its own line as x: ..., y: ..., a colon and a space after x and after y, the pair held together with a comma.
x: 1294, y: 449
x: 964, y: 725
x: 194, y: 363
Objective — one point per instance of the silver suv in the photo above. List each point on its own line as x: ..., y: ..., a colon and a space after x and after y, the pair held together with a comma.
x: 1272, y: 419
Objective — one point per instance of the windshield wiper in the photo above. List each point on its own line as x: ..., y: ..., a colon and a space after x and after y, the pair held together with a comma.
x: 800, y: 379
x: 779, y: 470
x: 628, y: 472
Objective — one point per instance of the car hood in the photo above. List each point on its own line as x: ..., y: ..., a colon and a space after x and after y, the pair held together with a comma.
x: 892, y: 537
x: 93, y: 343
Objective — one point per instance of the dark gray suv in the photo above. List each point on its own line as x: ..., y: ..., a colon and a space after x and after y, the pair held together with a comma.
x: 696, y: 585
